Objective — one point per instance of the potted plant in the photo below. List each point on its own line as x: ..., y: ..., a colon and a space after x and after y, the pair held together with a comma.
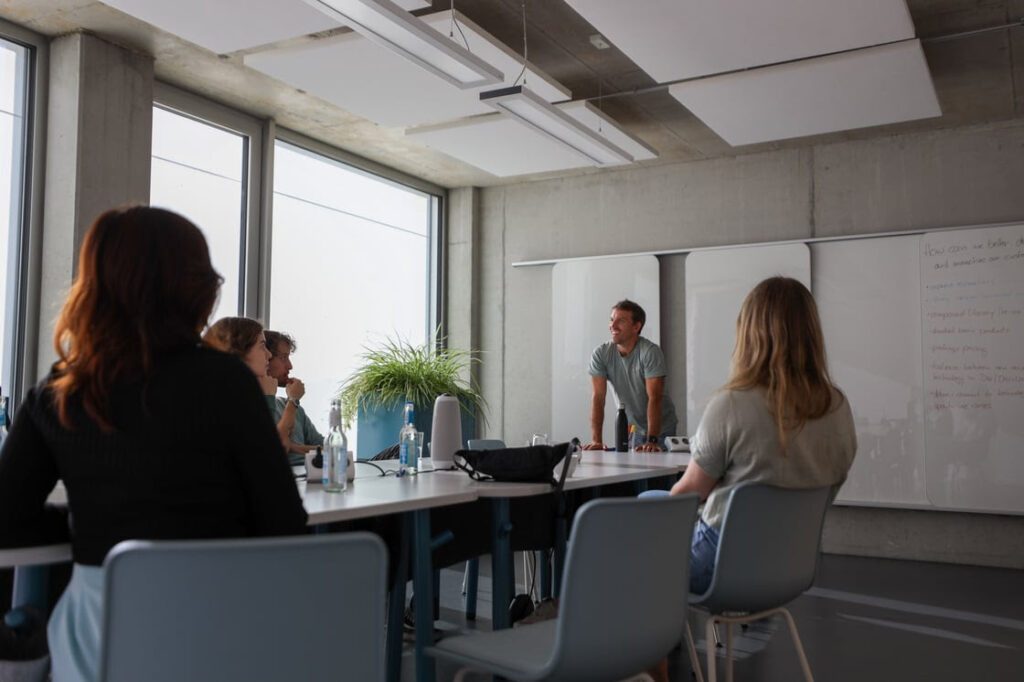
x: 396, y: 372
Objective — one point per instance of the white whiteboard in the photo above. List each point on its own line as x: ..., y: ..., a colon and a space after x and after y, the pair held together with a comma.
x: 973, y: 346
x: 869, y: 299
x: 582, y: 295
x: 716, y: 284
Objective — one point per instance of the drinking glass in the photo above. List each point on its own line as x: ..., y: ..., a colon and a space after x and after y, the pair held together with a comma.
x: 539, y: 439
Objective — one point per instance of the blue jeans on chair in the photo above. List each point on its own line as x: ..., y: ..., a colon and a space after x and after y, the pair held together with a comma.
x: 703, y: 549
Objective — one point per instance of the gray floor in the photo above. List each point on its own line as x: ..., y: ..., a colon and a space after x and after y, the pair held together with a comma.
x: 864, y: 619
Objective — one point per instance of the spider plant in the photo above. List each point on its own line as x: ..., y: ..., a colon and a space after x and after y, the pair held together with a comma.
x: 397, y: 371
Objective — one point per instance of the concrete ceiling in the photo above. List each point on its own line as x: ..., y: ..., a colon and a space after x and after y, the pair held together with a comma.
x: 978, y: 78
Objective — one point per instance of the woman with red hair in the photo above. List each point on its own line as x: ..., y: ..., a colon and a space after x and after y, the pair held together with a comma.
x: 141, y: 452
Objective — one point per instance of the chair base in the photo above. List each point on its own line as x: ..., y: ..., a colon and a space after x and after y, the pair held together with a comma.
x: 729, y: 621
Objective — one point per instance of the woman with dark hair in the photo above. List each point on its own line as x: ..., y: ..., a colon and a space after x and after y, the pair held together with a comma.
x: 243, y: 337
x: 142, y: 454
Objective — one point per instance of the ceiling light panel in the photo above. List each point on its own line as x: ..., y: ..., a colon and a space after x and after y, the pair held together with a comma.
x: 501, y: 146
x: 671, y: 39
x: 869, y: 87
x: 224, y: 26
x: 388, y: 25
x: 379, y: 85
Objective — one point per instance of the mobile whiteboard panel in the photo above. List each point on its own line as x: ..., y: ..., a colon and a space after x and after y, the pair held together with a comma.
x: 582, y: 295
x: 869, y: 299
x: 972, y: 330
x: 716, y: 283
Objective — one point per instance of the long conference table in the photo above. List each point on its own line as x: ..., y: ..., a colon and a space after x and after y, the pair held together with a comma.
x: 412, y: 497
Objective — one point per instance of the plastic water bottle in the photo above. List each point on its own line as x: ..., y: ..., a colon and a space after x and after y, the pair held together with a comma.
x: 621, y: 432
x: 3, y: 419
x: 407, y: 441
x: 335, y: 452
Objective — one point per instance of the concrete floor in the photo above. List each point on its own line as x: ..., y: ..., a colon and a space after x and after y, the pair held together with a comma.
x: 864, y: 619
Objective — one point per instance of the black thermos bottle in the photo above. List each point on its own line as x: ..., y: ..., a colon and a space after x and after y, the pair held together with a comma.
x: 621, y: 431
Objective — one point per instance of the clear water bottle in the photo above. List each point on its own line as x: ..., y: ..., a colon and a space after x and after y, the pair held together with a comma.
x: 407, y: 441
x: 335, y: 452
x: 3, y: 419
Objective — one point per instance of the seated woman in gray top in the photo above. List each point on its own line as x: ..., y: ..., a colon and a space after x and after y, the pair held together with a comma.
x: 243, y: 337
x: 778, y: 420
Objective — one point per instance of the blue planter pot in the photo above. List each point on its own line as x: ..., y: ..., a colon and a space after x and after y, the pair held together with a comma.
x: 379, y: 427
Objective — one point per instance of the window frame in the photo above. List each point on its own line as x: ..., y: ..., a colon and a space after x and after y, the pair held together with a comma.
x: 438, y: 196
x: 21, y: 374
x: 253, y: 131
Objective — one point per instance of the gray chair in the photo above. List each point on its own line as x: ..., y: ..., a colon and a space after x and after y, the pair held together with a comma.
x: 623, y: 603
x: 302, y: 608
x: 767, y: 557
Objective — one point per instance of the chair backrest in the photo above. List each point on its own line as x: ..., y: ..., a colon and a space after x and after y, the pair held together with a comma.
x: 624, y: 593
x: 767, y: 548
x: 485, y: 444
x: 303, y: 608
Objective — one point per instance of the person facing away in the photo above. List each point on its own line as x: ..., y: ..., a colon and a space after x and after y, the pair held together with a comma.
x: 281, y: 347
x: 141, y: 452
x: 244, y: 338
x: 778, y: 420
x: 636, y: 369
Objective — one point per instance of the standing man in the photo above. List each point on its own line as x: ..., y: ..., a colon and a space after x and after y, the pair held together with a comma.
x: 636, y: 368
x: 303, y: 436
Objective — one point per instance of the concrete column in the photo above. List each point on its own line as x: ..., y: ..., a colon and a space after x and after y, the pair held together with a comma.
x: 98, y: 146
x: 462, y: 245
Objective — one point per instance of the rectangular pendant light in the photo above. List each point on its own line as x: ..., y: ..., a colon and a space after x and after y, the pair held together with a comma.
x: 388, y: 25
x: 544, y: 117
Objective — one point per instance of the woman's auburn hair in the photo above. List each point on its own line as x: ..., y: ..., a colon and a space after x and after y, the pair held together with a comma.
x: 145, y: 286
x: 780, y: 347
x: 234, y: 335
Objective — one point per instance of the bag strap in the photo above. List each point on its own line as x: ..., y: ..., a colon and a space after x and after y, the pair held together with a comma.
x: 567, y: 462
x: 461, y: 463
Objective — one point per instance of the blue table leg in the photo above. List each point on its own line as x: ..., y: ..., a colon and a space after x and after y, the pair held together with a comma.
x: 396, y: 604
x: 641, y: 486
x: 472, y: 575
x: 30, y: 587
x: 501, y: 558
x: 544, y: 569
x: 423, y: 588
x: 558, y: 554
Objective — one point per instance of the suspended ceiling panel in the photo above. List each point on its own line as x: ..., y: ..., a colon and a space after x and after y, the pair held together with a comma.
x: 377, y: 84
x: 229, y: 25
x: 869, y: 87
x: 504, y: 147
x: 673, y: 39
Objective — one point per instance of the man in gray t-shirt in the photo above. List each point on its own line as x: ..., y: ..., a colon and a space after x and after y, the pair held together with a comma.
x: 636, y: 369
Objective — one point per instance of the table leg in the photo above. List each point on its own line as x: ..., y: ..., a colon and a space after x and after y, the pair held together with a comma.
x: 423, y: 588
x: 472, y: 575
x: 502, y: 569
x: 396, y: 603
x: 544, y: 571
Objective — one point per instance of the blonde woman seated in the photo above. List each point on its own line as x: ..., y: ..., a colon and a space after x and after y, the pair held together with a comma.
x: 243, y: 337
x: 779, y: 420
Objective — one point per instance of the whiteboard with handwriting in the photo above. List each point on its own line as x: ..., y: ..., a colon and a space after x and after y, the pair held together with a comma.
x: 972, y: 332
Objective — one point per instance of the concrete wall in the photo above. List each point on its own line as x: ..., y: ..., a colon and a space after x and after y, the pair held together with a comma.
x: 957, y: 176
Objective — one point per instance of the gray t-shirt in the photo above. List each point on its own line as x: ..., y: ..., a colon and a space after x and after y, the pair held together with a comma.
x: 738, y: 441
x: 629, y: 376
x: 304, y: 432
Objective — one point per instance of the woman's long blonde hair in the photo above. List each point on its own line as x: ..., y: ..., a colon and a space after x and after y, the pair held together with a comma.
x: 780, y: 347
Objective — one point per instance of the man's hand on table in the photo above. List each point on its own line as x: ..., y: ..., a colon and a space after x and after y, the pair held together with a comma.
x: 649, y: 447
x: 594, y: 445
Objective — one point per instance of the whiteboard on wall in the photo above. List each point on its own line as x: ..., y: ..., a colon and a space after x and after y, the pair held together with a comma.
x: 716, y: 284
x: 583, y: 293
x: 869, y: 299
x: 972, y: 330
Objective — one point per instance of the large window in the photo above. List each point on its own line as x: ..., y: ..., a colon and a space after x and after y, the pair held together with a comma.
x: 14, y: 79
x: 200, y: 171
x: 350, y: 266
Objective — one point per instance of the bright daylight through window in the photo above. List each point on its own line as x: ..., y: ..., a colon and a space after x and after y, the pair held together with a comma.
x: 199, y: 172
x: 13, y: 127
x: 350, y: 267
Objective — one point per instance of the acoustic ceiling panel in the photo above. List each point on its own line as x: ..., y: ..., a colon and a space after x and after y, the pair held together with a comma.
x: 377, y: 84
x: 869, y: 87
x: 503, y: 147
x: 229, y: 25
x: 672, y: 39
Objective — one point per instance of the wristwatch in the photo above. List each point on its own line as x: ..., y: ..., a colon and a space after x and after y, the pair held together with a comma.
x: 652, y: 439
x: 294, y: 401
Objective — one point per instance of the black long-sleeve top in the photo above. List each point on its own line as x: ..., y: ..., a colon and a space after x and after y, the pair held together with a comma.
x: 194, y: 454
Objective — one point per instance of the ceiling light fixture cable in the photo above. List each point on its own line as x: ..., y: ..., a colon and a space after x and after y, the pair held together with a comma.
x: 455, y: 24
x: 526, y: 51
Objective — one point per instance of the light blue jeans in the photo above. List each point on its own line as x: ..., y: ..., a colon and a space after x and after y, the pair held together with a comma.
x: 74, y: 627
x: 703, y: 549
